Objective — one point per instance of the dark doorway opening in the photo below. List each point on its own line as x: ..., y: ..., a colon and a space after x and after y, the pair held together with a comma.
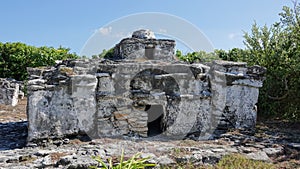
x: 155, y: 116
x: 149, y: 52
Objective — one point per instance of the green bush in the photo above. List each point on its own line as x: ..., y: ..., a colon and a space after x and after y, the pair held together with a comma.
x: 196, y: 57
x: 278, y: 49
x: 106, y: 54
x: 16, y: 57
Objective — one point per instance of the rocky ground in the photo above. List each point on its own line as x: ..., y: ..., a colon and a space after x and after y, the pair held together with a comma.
x: 273, y: 142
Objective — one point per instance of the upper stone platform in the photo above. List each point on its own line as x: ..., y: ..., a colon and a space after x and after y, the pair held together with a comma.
x: 143, y: 34
x: 143, y: 46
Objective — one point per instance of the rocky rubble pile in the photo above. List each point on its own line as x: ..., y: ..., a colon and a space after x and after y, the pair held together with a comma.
x: 73, y: 153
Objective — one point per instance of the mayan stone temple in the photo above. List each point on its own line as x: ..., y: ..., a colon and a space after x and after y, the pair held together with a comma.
x: 142, y: 91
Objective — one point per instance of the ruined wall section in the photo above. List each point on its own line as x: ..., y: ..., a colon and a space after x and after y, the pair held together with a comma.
x: 141, y: 91
x: 235, y: 87
x: 105, y: 98
x: 57, y: 97
x: 113, y: 98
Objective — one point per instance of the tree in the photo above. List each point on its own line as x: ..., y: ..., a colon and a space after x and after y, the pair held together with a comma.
x: 16, y: 57
x: 278, y: 49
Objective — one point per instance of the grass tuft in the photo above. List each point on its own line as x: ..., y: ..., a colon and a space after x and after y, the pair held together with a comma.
x: 133, y: 163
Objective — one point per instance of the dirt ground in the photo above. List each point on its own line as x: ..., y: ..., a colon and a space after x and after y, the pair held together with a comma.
x: 13, y: 114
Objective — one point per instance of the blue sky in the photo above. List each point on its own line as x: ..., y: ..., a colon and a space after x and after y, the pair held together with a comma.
x: 71, y: 23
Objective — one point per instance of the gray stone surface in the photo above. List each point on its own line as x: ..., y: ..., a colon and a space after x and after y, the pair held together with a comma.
x: 273, y: 151
x: 259, y: 155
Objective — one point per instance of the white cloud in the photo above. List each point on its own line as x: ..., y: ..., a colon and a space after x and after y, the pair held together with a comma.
x: 162, y: 30
x: 122, y: 34
x: 234, y: 36
x: 105, y: 30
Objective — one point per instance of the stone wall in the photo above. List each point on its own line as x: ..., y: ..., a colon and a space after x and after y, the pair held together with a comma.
x: 150, y: 98
x: 141, y: 91
x: 10, y: 91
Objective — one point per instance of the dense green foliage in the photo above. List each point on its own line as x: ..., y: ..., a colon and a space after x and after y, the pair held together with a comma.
x: 278, y: 49
x: 195, y: 57
x: 16, y: 57
x: 105, y: 54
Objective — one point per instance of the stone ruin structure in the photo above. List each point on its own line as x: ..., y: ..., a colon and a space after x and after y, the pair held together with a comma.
x: 142, y: 91
x: 10, y: 91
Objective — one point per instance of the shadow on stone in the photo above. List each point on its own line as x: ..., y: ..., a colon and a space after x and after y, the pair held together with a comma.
x: 155, y: 116
x: 13, y: 135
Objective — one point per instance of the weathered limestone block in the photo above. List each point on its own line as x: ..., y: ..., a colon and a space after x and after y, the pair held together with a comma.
x: 84, y: 100
x: 106, y: 107
x: 138, y: 121
x: 51, y: 114
x: 240, y: 102
x: 190, y: 119
x: 10, y: 91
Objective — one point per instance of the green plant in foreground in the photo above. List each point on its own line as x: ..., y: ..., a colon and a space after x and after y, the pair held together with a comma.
x: 133, y: 163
